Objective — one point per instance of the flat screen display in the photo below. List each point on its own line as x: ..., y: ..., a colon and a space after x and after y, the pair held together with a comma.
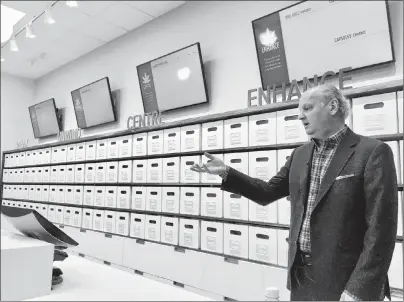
x: 312, y: 37
x: 93, y: 104
x: 173, y: 81
x: 44, y: 119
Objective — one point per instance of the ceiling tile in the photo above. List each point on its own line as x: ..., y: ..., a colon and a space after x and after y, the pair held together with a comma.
x: 93, y: 8
x: 155, y: 8
x: 28, y: 7
x: 124, y: 16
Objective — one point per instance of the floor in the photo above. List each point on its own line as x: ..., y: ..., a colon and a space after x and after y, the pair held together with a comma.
x: 86, y: 280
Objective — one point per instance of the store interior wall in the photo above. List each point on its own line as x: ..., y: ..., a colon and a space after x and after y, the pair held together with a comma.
x: 224, y: 30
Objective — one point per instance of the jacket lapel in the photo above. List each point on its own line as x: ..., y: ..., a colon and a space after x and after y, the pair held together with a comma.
x: 343, y: 153
x: 305, y: 158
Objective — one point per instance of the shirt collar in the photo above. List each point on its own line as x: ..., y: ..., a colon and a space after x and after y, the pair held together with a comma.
x: 335, y: 138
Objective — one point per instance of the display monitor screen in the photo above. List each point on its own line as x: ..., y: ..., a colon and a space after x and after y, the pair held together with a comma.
x: 44, y: 119
x: 93, y: 104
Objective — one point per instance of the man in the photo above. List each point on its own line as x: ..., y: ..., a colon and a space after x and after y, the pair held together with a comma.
x: 343, y: 194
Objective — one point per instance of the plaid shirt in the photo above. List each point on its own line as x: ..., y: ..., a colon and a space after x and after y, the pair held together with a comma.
x: 323, y: 153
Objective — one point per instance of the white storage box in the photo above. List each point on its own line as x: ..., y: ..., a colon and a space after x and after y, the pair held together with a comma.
x: 125, y: 146
x: 171, y: 170
x: 190, y: 201
x: 21, y: 175
x: 52, y: 213
x: 235, y: 240
x: 53, y: 194
x: 53, y: 175
x: 61, y: 174
x: 139, y: 171
x: 238, y: 161
x: 22, y: 158
x: 88, y: 195
x: 137, y: 225
x: 122, y: 224
x: 87, y: 219
x: 78, y: 195
x: 46, y: 171
x: 45, y: 193
x: 262, y: 129
x: 400, y: 101
x: 153, y: 199
x: 109, y: 221
x: 111, y: 195
x: 284, y: 210
x: 235, y: 206
x: 80, y: 151
x: 10, y: 158
x: 39, y: 157
x: 113, y: 148
x: 395, y: 149
x: 91, y: 150
x: 123, y: 201
x: 236, y: 132
x: 59, y: 215
x: 283, y: 247
x: 27, y: 175
x: 70, y: 194
x: 68, y: 216
x: 212, y: 236
x: 43, y: 210
x: 268, y: 213
x: 102, y: 149
x: 112, y: 172
x: 38, y: 192
x: 212, y: 135
x: 170, y: 200
x: 31, y: 192
x: 98, y: 220
x: 90, y: 173
x: 139, y: 198
x: 61, y: 194
x: 152, y: 227
x: 33, y: 174
x: 212, y: 202
x: 139, y: 142
x: 283, y: 156
x: 289, y: 128
x: 71, y: 153
x: 191, y: 138
x: 169, y: 230
x: 263, y: 245
x: 62, y: 153
x: 155, y: 142
x: 47, y: 156
x: 55, y: 156
x: 125, y: 171
x: 100, y: 172
x: 38, y: 175
x: 375, y: 115
x: 262, y: 164
x: 395, y: 272
x: 172, y: 140
x: 186, y: 174
x: 70, y: 174
x: 77, y: 217
x: 79, y: 173
x: 155, y: 170
x: 189, y: 233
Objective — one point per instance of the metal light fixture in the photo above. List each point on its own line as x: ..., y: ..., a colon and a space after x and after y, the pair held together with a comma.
x: 72, y: 3
x: 29, y: 32
x: 48, y: 17
x: 13, y: 45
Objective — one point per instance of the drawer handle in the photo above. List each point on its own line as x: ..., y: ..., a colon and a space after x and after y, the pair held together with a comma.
x: 190, y: 132
x: 140, y: 241
x: 212, y: 129
x: 374, y: 105
x: 83, y: 230
x: 262, y: 236
x: 172, y: 134
x: 231, y: 260
x: 108, y: 235
x: 237, y: 233
x: 235, y: 126
x: 262, y: 159
x: 179, y: 249
x: 291, y: 117
x: 262, y: 122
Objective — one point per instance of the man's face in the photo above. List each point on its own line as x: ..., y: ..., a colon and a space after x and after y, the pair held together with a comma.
x: 314, y: 114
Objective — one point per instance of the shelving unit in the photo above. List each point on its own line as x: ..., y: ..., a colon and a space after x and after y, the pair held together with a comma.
x: 174, y: 262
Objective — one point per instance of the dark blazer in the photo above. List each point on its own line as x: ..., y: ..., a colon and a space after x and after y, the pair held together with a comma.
x: 354, y: 222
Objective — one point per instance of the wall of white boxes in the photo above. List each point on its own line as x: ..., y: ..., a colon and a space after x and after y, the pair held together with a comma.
x: 140, y: 185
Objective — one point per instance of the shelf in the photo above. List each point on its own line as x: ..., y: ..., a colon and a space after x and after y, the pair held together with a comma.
x: 132, y: 184
x: 387, y: 137
x: 196, y: 217
x: 380, y: 88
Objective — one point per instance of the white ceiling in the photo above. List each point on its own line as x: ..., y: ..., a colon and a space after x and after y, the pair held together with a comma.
x: 76, y: 32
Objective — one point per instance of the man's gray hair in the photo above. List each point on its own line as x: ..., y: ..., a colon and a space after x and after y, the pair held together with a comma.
x: 330, y: 92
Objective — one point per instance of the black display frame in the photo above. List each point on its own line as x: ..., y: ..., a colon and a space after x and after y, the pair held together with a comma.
x: 56, y: 115
x: 203, y: 76
x: 110, y: 97
x: 299, y: 81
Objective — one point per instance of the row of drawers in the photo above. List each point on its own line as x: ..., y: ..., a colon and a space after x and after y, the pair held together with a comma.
x: 374, y: 115
x: 260, y: 164
x: 209, y: 202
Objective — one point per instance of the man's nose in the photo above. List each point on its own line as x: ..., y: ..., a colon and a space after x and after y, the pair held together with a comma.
x: 301, y: 116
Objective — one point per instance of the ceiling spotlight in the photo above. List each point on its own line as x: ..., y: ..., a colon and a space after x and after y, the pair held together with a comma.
x: 72, y: 3
x: 13, y: 45
x: 29, y: 33
x: 2, y: 59
x: 48, y: 17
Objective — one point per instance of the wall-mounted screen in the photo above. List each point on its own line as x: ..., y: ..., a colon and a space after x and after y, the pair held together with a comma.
x: 173, y: 81
x: 44, y: 119
x: 93, y: 104
x: 312, y: 37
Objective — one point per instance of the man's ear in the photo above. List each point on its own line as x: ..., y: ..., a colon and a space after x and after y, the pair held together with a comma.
x: 334, y: 106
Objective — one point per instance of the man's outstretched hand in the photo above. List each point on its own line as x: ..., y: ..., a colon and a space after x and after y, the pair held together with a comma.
x: 214, y: 166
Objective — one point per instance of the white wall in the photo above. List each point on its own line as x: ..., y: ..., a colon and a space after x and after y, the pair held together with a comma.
x: 17, y: 95
x: 225, y: 32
